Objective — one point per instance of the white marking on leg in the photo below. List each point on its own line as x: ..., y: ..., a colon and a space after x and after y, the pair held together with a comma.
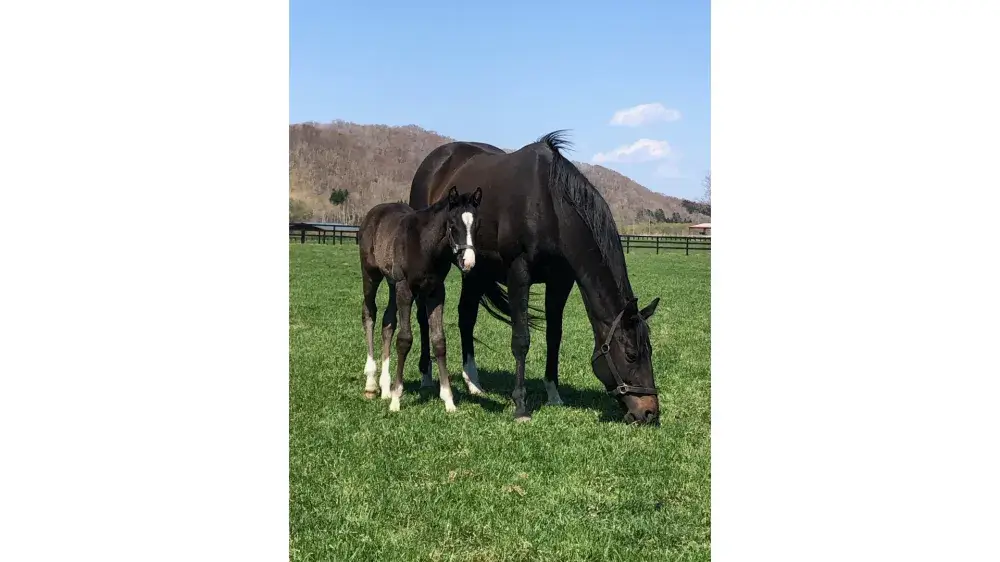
x: 397, y: 393
x: 449, y: 400
x: 470, y: 374
x: 553, y: 391
x: 384, y: 380
x: 427, y: 379
x: 371, y: 385
x: 469, y: 256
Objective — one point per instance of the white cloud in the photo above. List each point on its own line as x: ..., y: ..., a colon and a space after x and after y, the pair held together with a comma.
x: 642, y: 150
x: 644, y: 113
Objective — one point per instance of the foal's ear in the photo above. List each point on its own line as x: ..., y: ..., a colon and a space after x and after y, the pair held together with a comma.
x: 453, y: 196
x: 477, y: 196
x: 650, y: 309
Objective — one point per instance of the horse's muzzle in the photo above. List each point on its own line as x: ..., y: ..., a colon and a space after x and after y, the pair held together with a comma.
x: 467, y: 260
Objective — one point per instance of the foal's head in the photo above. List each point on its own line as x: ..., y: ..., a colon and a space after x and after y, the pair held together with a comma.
x: 461, y: 216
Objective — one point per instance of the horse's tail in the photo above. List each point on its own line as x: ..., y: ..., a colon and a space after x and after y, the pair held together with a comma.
x: 497, y: 304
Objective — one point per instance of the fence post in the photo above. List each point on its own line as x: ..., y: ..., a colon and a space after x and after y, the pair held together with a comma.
x: 657, y: 245
x: 628, y: 243
x: 687, y: 245
x: 302, y: 238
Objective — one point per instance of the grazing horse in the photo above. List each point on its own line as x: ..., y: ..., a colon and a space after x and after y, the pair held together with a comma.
x: 413, y: 251
x: 544, y: 222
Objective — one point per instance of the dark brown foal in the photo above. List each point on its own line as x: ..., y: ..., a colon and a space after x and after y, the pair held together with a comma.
x: 412, y: 250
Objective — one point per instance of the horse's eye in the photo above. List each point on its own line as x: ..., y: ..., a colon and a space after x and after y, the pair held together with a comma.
x: 631, y: 354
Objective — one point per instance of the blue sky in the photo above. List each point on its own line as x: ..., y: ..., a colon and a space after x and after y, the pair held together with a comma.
x: 508, y: 72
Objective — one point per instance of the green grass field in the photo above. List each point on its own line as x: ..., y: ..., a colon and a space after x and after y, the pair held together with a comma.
x: 574, y: 483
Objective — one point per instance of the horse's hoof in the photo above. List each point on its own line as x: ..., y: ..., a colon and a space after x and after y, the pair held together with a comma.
x: 370, y: 394
x: 394, y: 405
x: 522, y: 419
x: 450, y: 408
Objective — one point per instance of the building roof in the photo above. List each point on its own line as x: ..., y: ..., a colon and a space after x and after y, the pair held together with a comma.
x: 702, y: 225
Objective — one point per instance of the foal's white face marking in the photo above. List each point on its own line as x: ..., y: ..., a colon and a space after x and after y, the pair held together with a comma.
x: 469, y: 257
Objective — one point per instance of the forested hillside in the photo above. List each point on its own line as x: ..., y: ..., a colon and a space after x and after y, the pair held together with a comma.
x: 338, y: 171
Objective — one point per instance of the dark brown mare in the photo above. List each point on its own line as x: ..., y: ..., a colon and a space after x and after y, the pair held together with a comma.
x: 413, y: 251
x: 542, y: 221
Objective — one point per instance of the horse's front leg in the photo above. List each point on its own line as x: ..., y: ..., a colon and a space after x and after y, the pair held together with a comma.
x: 556, y: 294
x: 435, y: 307
x: 518, y: 288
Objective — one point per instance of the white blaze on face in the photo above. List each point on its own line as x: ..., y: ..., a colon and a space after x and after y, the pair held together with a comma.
x: 469, y: 257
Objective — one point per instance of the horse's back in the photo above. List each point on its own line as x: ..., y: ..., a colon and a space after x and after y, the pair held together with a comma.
x: 377, y: 234
x: 439, y: 166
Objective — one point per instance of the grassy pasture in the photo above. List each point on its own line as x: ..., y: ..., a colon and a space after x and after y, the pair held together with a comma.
x: 421, y: 484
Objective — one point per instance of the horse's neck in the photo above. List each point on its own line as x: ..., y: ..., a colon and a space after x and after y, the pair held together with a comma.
x: 601, y: 295
x: 429, y: 229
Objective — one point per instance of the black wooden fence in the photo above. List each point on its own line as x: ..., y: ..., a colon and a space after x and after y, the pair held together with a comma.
x: 333, y: 233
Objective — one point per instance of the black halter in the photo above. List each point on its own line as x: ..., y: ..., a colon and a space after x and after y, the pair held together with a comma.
x: 622, y: 388
x: 458, y: 248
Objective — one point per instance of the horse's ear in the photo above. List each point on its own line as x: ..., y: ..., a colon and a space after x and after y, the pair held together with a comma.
x: 650, y: 309
x: 453, y: 196
x: 477, y: 196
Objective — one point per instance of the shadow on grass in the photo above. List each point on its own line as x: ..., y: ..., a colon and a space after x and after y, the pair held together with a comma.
x: 502, y: 382
x: 426, y: 394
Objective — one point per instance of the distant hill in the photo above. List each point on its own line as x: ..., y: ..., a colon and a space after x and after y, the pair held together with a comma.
x: 337, y: 171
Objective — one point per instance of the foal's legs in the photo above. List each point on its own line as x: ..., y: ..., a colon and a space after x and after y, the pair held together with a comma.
x: 518, y: 287
x: 435, y: 305
x: 370, y: 280
x: 388, y: 327
x: 424, y: 363
x: 556, y: 293
x: 468, y: 311
x: 404, y: 340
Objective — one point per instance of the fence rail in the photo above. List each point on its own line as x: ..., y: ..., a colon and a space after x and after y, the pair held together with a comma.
x: 340, y: 234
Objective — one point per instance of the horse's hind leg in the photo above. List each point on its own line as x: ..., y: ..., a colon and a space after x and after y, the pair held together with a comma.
x: 424, y: 364
x: 388, y: 329
x: 369, y: 283
x: 518, y: 289
x: 404, y: 340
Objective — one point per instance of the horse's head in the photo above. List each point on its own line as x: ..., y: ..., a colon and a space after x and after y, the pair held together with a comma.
x: 623, y: 362
x: 461, y: 217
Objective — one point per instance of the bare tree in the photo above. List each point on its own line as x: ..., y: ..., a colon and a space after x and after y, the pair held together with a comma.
x: 707, y: 184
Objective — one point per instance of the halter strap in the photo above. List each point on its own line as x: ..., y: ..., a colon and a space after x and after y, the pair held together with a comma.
x: 621, y: 389
x: 457, y: 248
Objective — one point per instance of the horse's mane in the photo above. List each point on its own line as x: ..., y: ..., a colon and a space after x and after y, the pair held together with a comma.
x: 583, y: 197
